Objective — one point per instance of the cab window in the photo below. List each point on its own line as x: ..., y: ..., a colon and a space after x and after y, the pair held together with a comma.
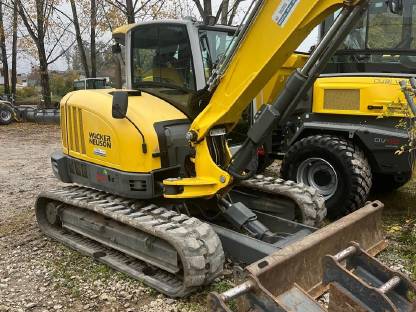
x: 162, y: 55
x: 214, y: 45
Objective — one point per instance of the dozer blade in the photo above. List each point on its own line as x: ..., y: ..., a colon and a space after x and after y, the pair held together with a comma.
x: 297, y: 269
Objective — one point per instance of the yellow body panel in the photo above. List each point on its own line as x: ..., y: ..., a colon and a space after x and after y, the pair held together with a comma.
x: 209, y: 181
x: 277, y: 82
x: 354, y: 96
x: 345, y: 95
x: 93, y: 135
x: 119, y: 34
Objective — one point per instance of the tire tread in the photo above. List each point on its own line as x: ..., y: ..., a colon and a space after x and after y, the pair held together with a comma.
x: 352, y: 158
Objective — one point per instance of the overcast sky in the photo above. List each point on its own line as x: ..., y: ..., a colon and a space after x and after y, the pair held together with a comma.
x: 25, y: 63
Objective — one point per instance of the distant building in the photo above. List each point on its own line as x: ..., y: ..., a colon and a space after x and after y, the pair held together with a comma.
x: 21, y: 81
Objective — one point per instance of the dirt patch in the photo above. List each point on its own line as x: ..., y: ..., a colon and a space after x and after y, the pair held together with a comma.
x: 38, y: 274
x: 399, y: 218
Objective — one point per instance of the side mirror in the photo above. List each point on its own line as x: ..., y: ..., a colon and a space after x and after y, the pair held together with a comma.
x: 395, y: 6
x: 120, y: 104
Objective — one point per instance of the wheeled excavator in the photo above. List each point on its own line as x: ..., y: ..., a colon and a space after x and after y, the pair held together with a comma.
x: 354, y: 113
x: 155, y: 192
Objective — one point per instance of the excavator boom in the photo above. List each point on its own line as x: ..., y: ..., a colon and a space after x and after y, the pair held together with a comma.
x: 274, y: 29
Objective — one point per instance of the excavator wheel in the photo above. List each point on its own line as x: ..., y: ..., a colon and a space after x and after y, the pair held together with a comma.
x: 334, y: 166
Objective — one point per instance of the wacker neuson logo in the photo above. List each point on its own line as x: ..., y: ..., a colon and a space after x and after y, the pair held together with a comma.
x: 99, y: 139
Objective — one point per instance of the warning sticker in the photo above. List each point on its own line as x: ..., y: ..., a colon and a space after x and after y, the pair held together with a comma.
x: 284, y: 11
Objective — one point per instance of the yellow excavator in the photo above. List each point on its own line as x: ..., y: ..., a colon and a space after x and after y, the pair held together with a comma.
x: 155, y: 192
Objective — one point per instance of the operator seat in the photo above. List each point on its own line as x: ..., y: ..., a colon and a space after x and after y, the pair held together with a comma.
x: 164, y: 69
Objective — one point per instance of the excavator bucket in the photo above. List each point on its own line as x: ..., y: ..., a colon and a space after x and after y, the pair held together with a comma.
x: 291, y: 278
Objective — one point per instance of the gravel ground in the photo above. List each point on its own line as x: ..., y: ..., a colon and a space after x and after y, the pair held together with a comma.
x: 38, y: 274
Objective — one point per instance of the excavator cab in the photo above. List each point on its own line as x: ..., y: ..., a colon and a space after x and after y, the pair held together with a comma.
x: 173, y: 59
x: 382, y: 41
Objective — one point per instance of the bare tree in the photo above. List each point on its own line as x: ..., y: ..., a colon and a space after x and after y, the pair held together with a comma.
x: 78, y: 36
x: 234, y: 10
x: 4, y: 52
x: 224, y: 11
x: 14, y: 50
x: 93, y: 21
x: 130, y: 11
x: 41, y: 26
x: 144, y: 9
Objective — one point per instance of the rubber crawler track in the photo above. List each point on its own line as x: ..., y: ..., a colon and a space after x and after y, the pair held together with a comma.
x: 196, y: 243
x: 310, y: 203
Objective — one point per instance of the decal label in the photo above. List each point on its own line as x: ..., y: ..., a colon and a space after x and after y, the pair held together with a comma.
x: 386, y: 81
x: 100, y: 152
x: 284, y: 11
x: 102, y: 177
x: 99, y: 139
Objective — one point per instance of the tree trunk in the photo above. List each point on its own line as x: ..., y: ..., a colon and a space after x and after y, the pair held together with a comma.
x: 207, y: 8
x: 43, y: 60
x: 93, y: 34
x: 130, y: 12
x: 14, y: 51
x: 80, y: 43
x: 44, y: 77
x: 234, y: 11
x: 37, y: 33
x: 4, y: 53
x: 224, y: 12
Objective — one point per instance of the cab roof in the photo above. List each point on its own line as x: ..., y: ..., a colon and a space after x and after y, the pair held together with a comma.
x: 120, y: 33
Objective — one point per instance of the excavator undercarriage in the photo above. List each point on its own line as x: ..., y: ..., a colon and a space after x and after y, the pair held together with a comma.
x: 168, y: 250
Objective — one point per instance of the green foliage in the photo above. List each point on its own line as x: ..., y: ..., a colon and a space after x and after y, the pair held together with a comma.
x: 396, y: 109
x: 61, y: 84
x: 26, y: 92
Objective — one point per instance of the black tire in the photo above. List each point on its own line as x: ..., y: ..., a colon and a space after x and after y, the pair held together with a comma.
x: 351, y: 179
x: 386, y: 183
x: 6, y: 115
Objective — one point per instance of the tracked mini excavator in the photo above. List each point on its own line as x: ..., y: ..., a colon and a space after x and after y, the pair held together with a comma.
x: 155, y: 192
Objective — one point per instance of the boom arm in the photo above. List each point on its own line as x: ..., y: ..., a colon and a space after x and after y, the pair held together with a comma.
x: 274, y: 31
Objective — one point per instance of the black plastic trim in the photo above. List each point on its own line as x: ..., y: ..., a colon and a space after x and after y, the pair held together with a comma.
x: 163, y: 144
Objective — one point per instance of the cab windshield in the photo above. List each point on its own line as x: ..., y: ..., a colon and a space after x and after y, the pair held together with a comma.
x: 162, y: 62
x: 380, y: 42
